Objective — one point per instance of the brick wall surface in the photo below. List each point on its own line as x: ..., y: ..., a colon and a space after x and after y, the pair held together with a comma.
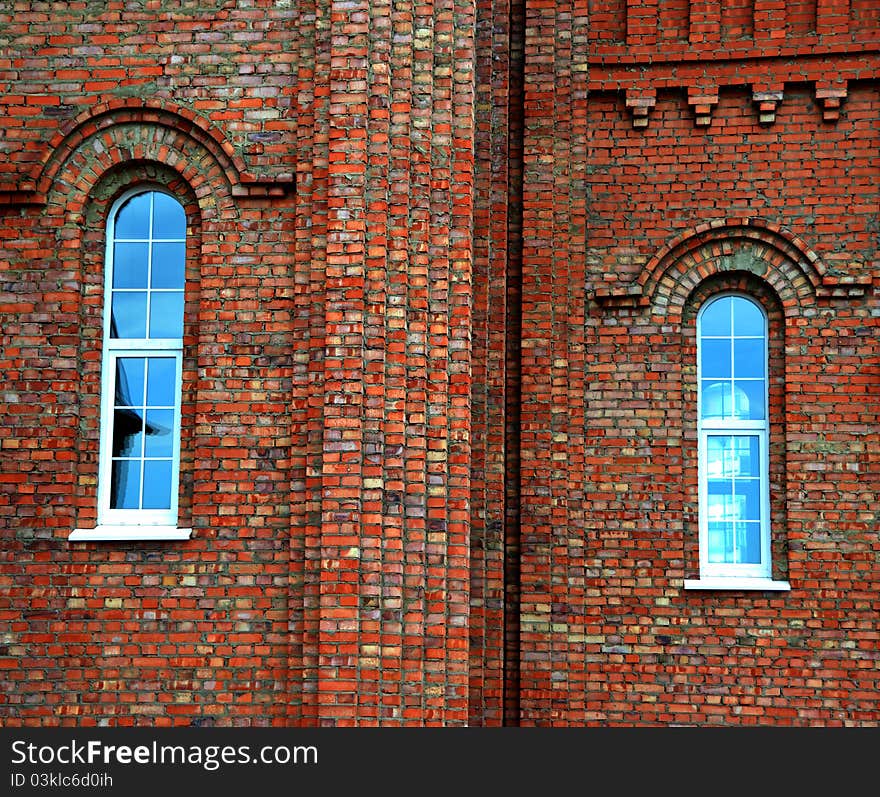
x: 439, y: 425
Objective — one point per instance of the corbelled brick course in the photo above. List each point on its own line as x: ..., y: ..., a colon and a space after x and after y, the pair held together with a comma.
x: 439, y: 421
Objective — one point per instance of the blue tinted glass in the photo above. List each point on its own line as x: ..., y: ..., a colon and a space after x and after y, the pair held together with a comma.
x: 166, y: 315
x: 130, y: 265
x: 128, y: 425
x: 747, y: 318
x: 129, y: 382
x: 161, y: 372
x: 717, y: 399
x: 125, y: 484
x: 167, y: 269
x: 133, y: 218
x: 719, y: 460
x: 157, y: 485
x: 720, y: 542
x: 745, y: 457
x: 169, y: 219
x: 159, y: 428
x: 749, y: 400
x: 748, y: 358
x: 750, y: 493
x: 128, y: 315
x: 715, y: 356
x: 721, y: 501
x: 748, y: 543
x: 715, y: 319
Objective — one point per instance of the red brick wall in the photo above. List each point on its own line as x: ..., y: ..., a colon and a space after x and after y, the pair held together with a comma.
x: 439, y: 423
x: 326, y: 412
x: 661, y: 177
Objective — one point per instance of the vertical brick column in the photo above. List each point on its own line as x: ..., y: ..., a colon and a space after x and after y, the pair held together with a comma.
x: 393, y: 594
x: 341, y: 513
x: 552, y: 423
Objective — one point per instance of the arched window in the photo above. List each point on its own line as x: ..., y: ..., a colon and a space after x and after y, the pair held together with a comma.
x: 733, y: 427
x: 142, y: 360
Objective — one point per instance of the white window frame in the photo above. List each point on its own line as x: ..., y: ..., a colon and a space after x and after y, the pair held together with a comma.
x: 132, y: 524
x: 729, y: 575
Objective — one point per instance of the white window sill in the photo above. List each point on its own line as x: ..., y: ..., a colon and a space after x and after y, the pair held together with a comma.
x: 763, y: 584
x: 129, y: 534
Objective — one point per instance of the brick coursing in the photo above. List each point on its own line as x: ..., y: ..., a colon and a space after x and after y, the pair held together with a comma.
x: 439, y: 423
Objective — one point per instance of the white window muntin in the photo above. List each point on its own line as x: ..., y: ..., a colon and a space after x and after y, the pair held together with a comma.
x: 733, y: 428
x: 117, y: 348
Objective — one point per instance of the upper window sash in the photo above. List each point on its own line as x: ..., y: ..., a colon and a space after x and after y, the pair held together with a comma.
x: 726, y: 374
x: 145, y: 269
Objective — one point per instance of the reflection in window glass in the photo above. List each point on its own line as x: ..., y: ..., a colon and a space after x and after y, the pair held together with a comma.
x: 143, y: 427
x: 734, y: 528
x: 167, y: 265
x: 143, y: 346
x: 133, y: 218
x: 149, y: 255
x: 166, y: 314
x: 128, y: 315
x: 169, y: 219
x: 157, y: 484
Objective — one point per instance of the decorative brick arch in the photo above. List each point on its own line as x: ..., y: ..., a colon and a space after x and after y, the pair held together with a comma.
x: 175, y: 130
x: 783, y: 261
x: 769, y: 251
x: 673, y: 274
x: 68, y: 182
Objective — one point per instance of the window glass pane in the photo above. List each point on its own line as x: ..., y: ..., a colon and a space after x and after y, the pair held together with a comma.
x: 748, y: 358
x: 747, y: 543
x: 125, y: 484
x: 715, y: 358
x: 747, y: 318
x: 169, y: 219
x: 718, y: 457
x: 721, y: 501
x: 159, y: 426
x: 746, y: 459
x: 715, y: 319
x: 749, y: 400
x: 129, y: 382
x: 128, y: 425
x: 166, y: 314
x: 749, y: 508
x: 717, y: 399
x: 720, y: 542
x: 742, y: 403
x: 167, y: 269
x: 133, y: 218
x: 161, y: 372
x: 130, y: 265
x: 157, y: 485
x: 128, y: 315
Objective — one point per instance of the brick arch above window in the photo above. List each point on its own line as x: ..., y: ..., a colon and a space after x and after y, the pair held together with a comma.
x: 768, y: 251
x: 164, y: 132
x: 125, y: 147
